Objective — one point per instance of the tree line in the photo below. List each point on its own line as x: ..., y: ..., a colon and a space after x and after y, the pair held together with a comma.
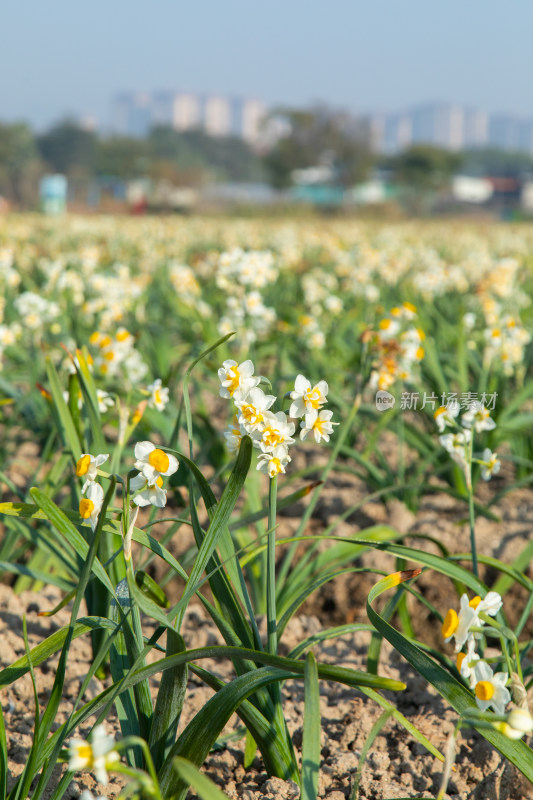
x: 317, y: 137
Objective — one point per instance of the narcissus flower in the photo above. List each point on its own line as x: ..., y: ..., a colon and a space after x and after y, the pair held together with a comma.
x: 91, y: 504
x: 458, y: 625
x: 491, y: 464
x: 153, y: 462
x: 490, y: 689
x: 148, y: 494
x: 87, y: 467
x: 273, y: 461
x: 236, y: 380
x: 445, y: 415
x: 97, y: 756
x: 467, y: 662
x: 159, y: 395
x: 319, y: 424
x: 275, y: 430
x: 105, y: 401
x: 307, y: 398
x: 233, y: 434
x: 478, y: 417
x: 253, y: 407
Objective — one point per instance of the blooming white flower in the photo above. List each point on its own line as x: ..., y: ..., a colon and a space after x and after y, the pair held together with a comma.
x: 146, y: 493
x: 159, y: 395
x: 307, y: 398
x: 466, y: 663
x: 87, y: 467
x: 153, y: 462
x: 252, y: 409
x: 456, y: 444
x: 91, y: 505
x: 233, y: 434
x: 97, y: 756
x: 490, y: 688
x: 275, y: 430
x: 105, y: 401
x: 478, y: 417
x: 458, y: 625
x: 491, y: 465
x: 236, y: 380
x: 445, y: 415
x: 319, y: 423
x: 273, y: 461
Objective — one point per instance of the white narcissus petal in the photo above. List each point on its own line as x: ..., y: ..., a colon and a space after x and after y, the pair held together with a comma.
x: 173, y: 465
x: 143, y: 450
x: 301, y: 385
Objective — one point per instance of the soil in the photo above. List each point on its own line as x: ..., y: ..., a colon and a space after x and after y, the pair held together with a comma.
x: 397, y: 765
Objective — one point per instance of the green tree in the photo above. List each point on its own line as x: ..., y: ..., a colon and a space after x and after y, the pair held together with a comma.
x: 68, y: 148
x: 319, y: 137
x: 20, y: 167
x: 122, y: 157
x: 425, y: 168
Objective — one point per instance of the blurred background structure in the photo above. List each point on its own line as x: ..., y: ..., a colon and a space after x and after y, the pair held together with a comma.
x: 338, y: 109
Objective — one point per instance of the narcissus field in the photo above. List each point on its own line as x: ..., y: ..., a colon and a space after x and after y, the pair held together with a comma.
x: 265, y: 509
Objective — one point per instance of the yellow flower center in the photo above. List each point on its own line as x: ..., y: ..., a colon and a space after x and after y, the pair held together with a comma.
x: 484, y: 690
x: 85, y: 752
x: 384, y: 324
x: 439, y: 411
x: 159, y: 460
x: 272, y: 437
x: 450, y: 624
x: 395, y: 311
x: 275, y: 465
x: 475, y: 601
x: 460, y: 658
x: 86, y: 508
x: 420, y: 353
x: 157, y: 396
x: 159, y: 481
x: 233, y: 375
x: 252, y: 415
x: 319, y: 425
x: 410, y: 307
x: 122, y: 336
x: 94, y: 337
x: 82, y: 467
x: 312, y: 397
x: 105, y: 341
x: 109, y: 356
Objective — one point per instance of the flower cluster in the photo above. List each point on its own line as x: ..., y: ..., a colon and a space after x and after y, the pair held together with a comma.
x: 116, y: 356
x: 91, y: 503
x: 466, y: 627
x: 398, y: 347
x: 272, y: 432
x: 153, y: 465
x: 458, y: 444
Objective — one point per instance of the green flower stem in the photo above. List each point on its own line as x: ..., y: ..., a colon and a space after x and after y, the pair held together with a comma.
x: 471, y: 513
x: 339, y: 441
x: 504, y: 633
x: 137, y: 741
x: 272, y: 635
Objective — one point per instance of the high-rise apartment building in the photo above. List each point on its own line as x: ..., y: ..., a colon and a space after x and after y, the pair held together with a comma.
x: 134, y: 113
x: 452, y: 127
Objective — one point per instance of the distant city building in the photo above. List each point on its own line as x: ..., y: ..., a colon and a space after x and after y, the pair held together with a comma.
x: 452, y: 127
x: 135, y: 113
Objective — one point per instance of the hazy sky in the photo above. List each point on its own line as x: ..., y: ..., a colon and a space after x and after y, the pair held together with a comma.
x: 61, y: 56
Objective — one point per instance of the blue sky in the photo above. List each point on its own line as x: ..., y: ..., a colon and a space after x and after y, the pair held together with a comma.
x: 59, y: 57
